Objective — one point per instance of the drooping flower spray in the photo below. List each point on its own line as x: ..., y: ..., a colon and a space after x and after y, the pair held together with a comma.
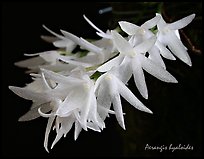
x: 80, y: 88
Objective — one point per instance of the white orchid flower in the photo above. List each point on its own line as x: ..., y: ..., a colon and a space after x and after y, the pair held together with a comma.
x: 141, y: 33
x: 69, y: 89
x: 168, y: 35
x: 109, y: 88
x: 134, y: 61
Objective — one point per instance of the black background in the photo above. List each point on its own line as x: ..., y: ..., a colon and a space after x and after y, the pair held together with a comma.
x: 177, y: 108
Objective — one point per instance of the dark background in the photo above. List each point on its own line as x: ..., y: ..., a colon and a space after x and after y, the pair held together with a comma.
x: 177, y: 108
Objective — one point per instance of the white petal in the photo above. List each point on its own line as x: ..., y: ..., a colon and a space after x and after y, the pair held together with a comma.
x: 74, y: 62
x: 49, y: 39
x: 176, y: 46
x: 47, y: 131
x: 55, y: 34
x: 118, y: 110
x: 129, y: 28
x: 103, y: 99
x: 124, y: 71
x: 108, y: 65
x: 95, y: 27
x: 130, y: 97
x: 34, y: 61
x: 146, y: 45
x: 139, y: 78
x: 154, y: 55
x: 161, y: 24
x: 30, y: 95
x: 181, y: 23
x: 89, y: 46
x: 61, y: 78
x: 82, y: 42
x: 164, y: 51
x: 156, y: 70
x: 86, y: 108
x: 70, y: 103
x: 33, y: 113
x: 68, y: 44
x: 77, y: 130
x: 104, y: 35
x: 93, y: 126
x: 121, y: 44
x: 151, y: 23
x: 66, y: 126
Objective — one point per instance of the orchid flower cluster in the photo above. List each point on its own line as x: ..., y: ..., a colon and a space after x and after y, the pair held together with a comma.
x: 84, y: 87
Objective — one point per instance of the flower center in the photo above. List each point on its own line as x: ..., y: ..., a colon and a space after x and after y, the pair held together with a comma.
x: 142, y: 31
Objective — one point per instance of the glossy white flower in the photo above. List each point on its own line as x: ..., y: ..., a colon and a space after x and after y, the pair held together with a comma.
x: 79, y: 88
x: 169, y: 36
x: 108, y: 90
x: 138, y: 34
x: 134, y: 61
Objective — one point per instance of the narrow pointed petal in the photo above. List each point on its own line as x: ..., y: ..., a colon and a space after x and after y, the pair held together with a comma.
x: 154, y: 55
x: 104, y: 35
x: 30, y: 95
x: 118, y: 110
x: 77, y: 130
x: 156, y: 70
x: 139, y: 78
x: 146, y: 45
x: 57, y: 138
x: 121, y: 44
x: 89, y: 46
x: 108, y: 65
x: 164, y: 51
x: 74, y: 62
x: 161, y: 24
x: 55, y: 34
x: 178, y: 49
x: 82, y: 42
x: 93, y: 127
x: 95, y: 27
x: 181, y: 23
x: 103, y: 99
x: 50, y: 56
x: 47, y: 131
x: 130, y: 97
x: 49, y: 39
x: 129, y: 28
x: 66, y: 125
x: 87, y: 108
x: 34, y: 61
x: 62, y: 43
x: 33, y: 113
x: 151, y: 23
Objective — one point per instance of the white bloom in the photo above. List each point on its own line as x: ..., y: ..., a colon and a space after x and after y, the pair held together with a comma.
x: 141, y: 33
x: 168, y: 35
x: 134, y: 61
x: 68, y: 89
x: 109, y: 88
